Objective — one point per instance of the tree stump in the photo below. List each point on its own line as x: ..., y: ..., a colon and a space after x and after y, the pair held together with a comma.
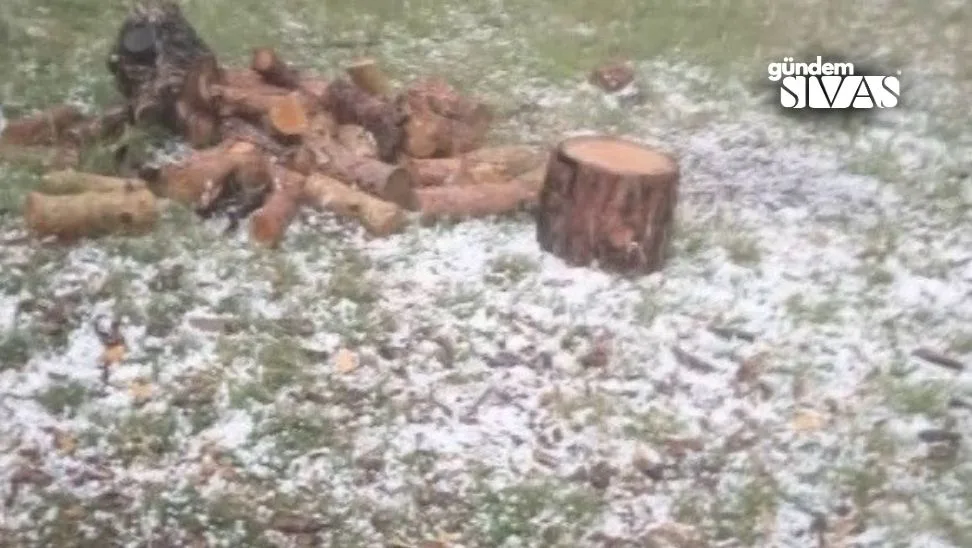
x: 152, y: 55
x: 608, y: 200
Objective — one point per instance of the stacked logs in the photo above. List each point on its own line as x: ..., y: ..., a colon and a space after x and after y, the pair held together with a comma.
x: 268, y: 139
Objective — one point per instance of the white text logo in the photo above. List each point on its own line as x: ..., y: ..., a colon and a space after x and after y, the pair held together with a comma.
x: 825, y: 85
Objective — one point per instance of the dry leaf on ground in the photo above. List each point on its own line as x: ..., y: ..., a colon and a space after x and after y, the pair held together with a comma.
x: 346, y: 361
x: 808, y: 420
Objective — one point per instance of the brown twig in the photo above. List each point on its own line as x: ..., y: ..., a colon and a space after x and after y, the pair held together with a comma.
x: 693, y: 362
x: 732, y: 333
x: 938, y: 359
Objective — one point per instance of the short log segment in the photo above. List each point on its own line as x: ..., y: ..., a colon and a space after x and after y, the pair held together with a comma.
x: 69, y: 181
x: 268, y: 225
x: 379, y: 217
x: 608, y: 201
x: 90, y: 214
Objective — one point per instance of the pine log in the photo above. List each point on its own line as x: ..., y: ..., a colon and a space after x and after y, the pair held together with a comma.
x: 441, y: 122
x: 284, y: 114
x: 154, y: 50
x: 199, y: 127
x: 269, y: 68
x: 610, y: 201
x: 49, y: 127
x: 237, y: 129
x: 243, y: 189
x: 204, y: 172
x: 357, y: 140
x: 107, y: 126
x: 242, y: 78
x: 379, y: 217
x: 197, y: 90
x: 287, y: 118
x: 70, y: 181
x: 455, y: 203
x: 385, y: 120
x: 484, y: 165
x: 89, y: 214
x: 322, y: 124
x: 366, y: 74
x: 268, y: 225
x: 273, y: 69
x: 389, y: 182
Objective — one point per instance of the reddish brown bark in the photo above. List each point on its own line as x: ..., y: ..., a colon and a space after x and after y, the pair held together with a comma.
x: 608, y: 200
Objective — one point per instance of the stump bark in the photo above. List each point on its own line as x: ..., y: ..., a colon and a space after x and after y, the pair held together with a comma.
x: 152, y: 55
x: 608, y: 201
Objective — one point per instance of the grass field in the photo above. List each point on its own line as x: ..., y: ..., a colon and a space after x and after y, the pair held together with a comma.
x: 474, y: 417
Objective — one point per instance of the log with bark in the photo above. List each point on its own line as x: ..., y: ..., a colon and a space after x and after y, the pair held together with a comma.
x: 268, y: 225
x: 273, y: 69
x: 610, y: 201
x: 70, y: 181
x: 204, y: 173
x: 441, y: 122
x: 454, y: 203
x: 378, y: 217
x: 46, y: 128
x: 367, y: 75
x: 385, y: 120
x: 386, y: 181
x: 485, y: 165
x: 89, y: 214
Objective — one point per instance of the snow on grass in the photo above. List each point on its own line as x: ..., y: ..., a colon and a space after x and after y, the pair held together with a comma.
x: 758, y: 391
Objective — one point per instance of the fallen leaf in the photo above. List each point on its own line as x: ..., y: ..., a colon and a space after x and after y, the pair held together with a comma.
x: 346, y: 361
x: 65, y: 442
x: 113, y: 354
x: 807, y: 420
x: 73, y: 513
x: 140, y: 391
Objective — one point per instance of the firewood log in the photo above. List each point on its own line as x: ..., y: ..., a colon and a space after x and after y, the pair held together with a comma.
x: 204, y: 171
x: 273, y: 69
x: 385, y: 120
x: 107, y: 126
x: 366, y: 74
x: 485, y: 165
x: 268, y: 225
x: 283, y: 114
x: 441, y: 122
x: 49, y: 127
x: 453, y: 203
x: 386, y: 181
x: 357, y: 140
x: 70, y: 181
x: 88, y: 214
x: 379, y: 217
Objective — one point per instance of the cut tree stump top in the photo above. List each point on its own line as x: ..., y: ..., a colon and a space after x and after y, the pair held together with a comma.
x: 617, y: 155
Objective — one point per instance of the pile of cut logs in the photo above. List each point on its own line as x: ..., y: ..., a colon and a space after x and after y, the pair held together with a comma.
x: 268, y: 139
